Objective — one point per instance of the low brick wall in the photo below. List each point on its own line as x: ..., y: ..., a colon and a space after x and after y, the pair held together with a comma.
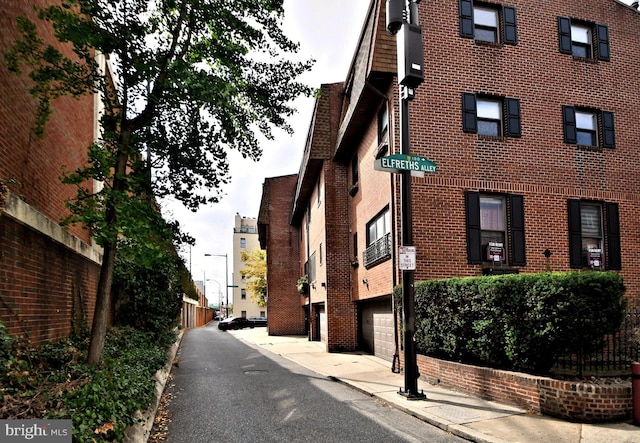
x: 573, y: 401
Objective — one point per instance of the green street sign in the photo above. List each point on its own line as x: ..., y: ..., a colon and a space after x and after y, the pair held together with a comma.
x: 400, y: 162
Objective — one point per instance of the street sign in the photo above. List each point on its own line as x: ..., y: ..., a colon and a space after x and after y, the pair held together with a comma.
x: 401, y: 162
x: 407, y: 258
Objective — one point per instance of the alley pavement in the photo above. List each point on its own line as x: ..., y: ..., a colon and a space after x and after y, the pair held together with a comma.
x: 468, y: 417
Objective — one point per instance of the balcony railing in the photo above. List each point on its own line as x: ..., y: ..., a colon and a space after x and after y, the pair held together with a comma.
x: 378, y: 251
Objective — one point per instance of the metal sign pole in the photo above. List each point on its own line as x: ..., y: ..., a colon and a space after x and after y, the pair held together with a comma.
x: 402, y: 19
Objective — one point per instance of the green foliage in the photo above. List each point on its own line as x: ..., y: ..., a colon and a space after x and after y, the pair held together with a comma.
x: 256, y: 275
x: 147, y: 280
x: 521, y: 322
x: 53, y: 382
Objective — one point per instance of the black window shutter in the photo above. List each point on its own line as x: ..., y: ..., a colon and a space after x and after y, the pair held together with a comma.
x: 466, y: 18
x: 513, y: 117
x: 518, y: 256
x: 608, y: 134
x: 469, y: 113
x: 564, y: 35
x: 603, y: 42
x: 575, y: 234
x: 613, y: 258
x: 569, y: 121
x: 474, y: 247
x: 510, y: 29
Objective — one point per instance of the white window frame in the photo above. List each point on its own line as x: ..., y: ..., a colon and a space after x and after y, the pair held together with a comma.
x: 586, y: 127
x: 489, y: 111
x: 486, y: 20
x: 581, y: 39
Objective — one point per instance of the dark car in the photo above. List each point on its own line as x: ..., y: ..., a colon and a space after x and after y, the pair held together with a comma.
x: 257, y: 321
x: 233, y: 323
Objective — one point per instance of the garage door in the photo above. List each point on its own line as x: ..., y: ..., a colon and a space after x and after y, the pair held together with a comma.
x: 376, y: 327
x: 323, y: 325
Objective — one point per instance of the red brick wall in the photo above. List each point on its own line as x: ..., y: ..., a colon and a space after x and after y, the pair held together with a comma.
x: 538, y: 165
x: 45, y: 288
x: 582, y: 402
x: 285, y: 312
x: 373, y: 195
x: 43, y: 285
x: 31, y: 167
x: 340, y: 308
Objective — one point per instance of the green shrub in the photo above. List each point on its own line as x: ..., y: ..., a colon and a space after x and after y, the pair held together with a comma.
x: 518, y: 321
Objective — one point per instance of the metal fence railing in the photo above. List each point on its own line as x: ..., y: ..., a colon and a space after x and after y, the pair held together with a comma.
x: 613, y: 358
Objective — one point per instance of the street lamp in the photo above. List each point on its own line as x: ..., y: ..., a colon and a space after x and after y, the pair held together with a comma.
x: 226, y: 277
x: 219, y: 293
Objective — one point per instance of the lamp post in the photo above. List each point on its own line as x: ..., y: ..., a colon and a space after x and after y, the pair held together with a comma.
x: 402, y: 19
x: 219, y: 292
x: 226, y: 277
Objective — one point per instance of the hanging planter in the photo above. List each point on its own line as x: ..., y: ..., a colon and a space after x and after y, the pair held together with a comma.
x: 303, y: 285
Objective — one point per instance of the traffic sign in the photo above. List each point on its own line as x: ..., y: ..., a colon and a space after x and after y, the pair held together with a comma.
x: 407, y: 258
x: 401, y: 162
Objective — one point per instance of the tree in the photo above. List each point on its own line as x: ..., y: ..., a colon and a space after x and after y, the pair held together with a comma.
x: 256, y: 274
x: 191, y: 80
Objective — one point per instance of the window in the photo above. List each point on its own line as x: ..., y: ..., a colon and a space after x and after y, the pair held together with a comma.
x: 486, y: 22
x: 491, y: 116
x: 319, y: 191
x: 378, y: 239
x: 383, y: 125
x: 583, y: 39
x: 243, y: 242
x: 495, y: 229
x: 243, y: 294
x: 588, y: 127
x: 312, y: 267
x: 353, y: 189
x: 355, y: 244
x: 594, y: 226
x: 243, y: 314
x: 320, y: 254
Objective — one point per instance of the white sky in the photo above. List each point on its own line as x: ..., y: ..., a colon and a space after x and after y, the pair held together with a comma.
x: 327, y: 31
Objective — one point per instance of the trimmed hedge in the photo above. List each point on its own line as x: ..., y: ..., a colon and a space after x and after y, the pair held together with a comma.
x: 517, y: 321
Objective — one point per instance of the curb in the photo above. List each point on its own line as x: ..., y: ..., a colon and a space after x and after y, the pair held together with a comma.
x: 140, y: 431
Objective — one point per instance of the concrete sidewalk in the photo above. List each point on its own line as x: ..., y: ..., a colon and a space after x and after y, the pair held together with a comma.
x: 468, y: 417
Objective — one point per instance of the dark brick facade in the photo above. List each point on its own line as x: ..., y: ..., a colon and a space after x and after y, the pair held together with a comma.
x: 46, y: 287
x: 285, y: 306
x: 534, y: 166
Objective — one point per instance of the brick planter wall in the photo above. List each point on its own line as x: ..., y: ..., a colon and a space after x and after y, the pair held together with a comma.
x: 579, y: 402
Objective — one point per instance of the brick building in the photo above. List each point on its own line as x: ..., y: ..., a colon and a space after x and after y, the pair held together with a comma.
x: 48, y: 275
x: 245, y: 239
x: 285, y: 306
x: 528, y: 109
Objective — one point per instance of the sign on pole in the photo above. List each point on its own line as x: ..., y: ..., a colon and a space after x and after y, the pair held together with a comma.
x: 407, y: 258
x: 401, y: 162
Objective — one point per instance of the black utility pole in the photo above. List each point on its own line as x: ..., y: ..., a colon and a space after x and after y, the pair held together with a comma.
x: 402, y: 19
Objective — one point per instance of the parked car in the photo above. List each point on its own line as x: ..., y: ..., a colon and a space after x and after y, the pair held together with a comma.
x: 233, y: 323
x: 257, y: 321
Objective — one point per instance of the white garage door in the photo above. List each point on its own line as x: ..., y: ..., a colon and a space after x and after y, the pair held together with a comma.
x: 323, y: 325
x: 377, y: 329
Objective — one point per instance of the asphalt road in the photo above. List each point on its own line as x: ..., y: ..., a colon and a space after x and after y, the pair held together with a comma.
x: 224, y: 390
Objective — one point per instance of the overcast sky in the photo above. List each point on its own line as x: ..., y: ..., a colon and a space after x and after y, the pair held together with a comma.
x: 327, y: 31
